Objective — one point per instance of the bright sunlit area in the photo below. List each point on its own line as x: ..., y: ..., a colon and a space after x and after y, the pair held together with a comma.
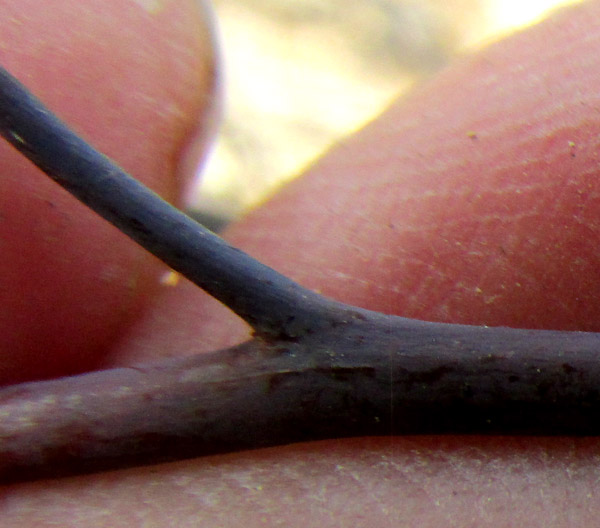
x: 301, y: 74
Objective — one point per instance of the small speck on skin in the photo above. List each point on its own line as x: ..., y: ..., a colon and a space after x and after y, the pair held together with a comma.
x: 491, y: 299
x: 471, y: 134
x: 170, y: 278
x: 110, y: 273
x: 151, y: 6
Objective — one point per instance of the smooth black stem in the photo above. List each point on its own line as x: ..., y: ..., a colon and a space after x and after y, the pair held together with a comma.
x: 271, y: 303
x: 379, y: 375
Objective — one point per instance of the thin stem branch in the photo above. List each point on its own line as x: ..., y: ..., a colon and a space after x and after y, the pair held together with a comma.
x: 379, y: 375
x: 271, y: 303
x: 320, y: 369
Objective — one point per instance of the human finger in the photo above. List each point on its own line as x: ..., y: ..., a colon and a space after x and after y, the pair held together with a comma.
x: 138, y: 80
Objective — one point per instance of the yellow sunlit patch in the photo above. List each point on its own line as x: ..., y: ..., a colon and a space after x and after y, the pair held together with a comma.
x: 512, y: 14
x: 299, y: 76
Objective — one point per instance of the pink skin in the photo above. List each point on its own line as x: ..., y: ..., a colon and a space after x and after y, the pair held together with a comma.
x: 128, y: 80
x: 414, y: 215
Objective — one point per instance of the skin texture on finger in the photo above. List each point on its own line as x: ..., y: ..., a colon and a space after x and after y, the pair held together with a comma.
x: 543, y: 90
x: 137, y: 79
x: 401, y: 482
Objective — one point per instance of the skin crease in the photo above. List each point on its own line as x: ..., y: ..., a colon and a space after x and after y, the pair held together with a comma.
x: 414, y: 215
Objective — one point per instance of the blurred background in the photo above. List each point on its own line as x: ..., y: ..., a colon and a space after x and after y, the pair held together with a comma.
x: 301, y: 74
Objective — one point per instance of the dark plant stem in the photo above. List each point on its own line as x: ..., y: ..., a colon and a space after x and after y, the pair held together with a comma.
x: 379, y: 375
x: 316, y: 369
x: 271, y: 303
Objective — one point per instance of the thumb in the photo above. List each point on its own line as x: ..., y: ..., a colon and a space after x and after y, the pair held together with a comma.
x: 136, y: 80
